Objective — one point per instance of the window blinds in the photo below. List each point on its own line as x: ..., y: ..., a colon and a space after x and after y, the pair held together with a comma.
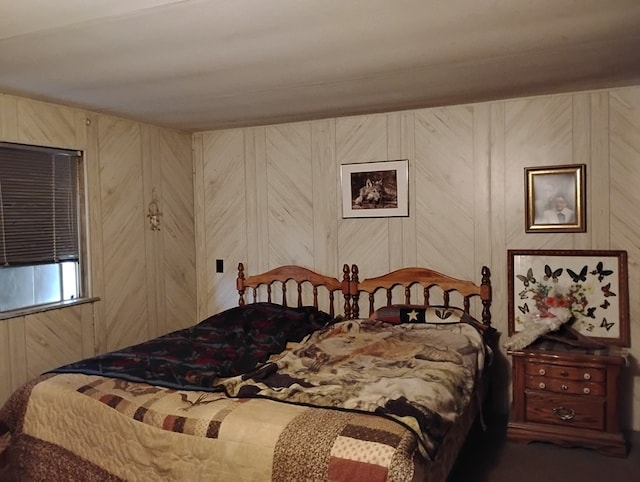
x: 38, y: 205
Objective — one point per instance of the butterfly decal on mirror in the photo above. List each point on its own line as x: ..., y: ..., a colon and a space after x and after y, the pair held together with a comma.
x: 551, y: 274
x: 524, y: 309
x: 601, y: 272
x: 605, y: 305
x: 590, y: 312
x: 577, y: 277
x: 606, y: 324
x: 606, y: 289
x: 527, y: 279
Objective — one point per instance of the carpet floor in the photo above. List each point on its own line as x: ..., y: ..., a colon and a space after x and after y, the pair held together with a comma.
x: 488, y: 457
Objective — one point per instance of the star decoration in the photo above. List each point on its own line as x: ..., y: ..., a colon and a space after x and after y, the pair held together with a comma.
x: 413, y: 315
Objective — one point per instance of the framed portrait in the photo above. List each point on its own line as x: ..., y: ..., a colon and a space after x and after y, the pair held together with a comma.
x: 555, y: 199
x: 375, y: 189
x: 592, y: 285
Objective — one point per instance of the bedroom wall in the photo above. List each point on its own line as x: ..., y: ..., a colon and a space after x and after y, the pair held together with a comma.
x: 270, y: 195
x: 145, y: 279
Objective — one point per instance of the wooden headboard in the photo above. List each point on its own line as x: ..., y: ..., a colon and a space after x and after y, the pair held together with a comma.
x: 277, y: 279
x: 351, y: 288
x: 427, y: 279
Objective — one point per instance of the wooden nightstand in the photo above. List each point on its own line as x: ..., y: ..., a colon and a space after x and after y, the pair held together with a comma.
x: 567, y: 396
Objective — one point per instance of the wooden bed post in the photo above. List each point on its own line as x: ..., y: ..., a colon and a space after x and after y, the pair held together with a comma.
x: 353, y: 289
x: 240, y: 284
x: 485, y: 288
x: 346, y: 291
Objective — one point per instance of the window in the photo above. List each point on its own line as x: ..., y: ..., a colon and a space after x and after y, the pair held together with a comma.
x: 40, y: 225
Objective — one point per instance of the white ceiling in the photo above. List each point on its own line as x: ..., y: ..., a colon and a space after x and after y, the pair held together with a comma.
x: 205, y: 64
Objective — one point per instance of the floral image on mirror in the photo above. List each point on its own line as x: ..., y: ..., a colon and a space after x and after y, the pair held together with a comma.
x: 589, y: 290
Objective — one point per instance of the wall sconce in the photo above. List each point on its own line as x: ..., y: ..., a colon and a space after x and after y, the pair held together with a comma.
x: 154, y: 212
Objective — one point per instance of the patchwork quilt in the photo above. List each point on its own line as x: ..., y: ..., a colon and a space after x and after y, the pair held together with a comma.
x: 84, y: 427
x: 364, y: 400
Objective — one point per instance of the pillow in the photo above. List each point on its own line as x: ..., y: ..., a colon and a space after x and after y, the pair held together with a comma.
x: 397, y: 314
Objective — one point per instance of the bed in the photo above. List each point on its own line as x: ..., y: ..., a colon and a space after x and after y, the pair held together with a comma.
x: 272, y: 389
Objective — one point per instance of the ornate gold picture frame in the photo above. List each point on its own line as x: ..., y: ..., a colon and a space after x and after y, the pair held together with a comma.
x: 555, y: 199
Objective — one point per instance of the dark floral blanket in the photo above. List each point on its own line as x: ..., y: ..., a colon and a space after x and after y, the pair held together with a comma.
x: 419, y: 374
x: 226, y: 344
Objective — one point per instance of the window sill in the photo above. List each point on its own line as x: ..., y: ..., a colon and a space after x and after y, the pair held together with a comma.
x: 49, y: 306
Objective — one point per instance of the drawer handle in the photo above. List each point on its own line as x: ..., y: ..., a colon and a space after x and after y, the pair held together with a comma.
x: 542, y: 385
x: 586, y: 390
x: 542, y: 371
x: 564, y: 387
x: 564, y: 414
x: 587, y: 376
x: 564, y: 373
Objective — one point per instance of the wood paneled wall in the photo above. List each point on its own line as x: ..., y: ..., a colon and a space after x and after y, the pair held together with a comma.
x: 146, y: 280
x: 271, y: 195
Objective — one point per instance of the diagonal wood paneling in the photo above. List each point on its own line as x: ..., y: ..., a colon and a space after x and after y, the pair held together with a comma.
x: 123, y: 224
x: 326, y: 196
x: 625, y: 221
x: 53, y: 338
x: 6, y: 387
x: 598, y: 177
x: 538, y: 132
x: 47, y: 124
x: 255, y: 145
x: 363, y: 139
x: 200, y: 216
x: 445, y: 178
x: 178, y: 230
x: 409, y: 225
x: 402, y: 231
x: 152, y: 191
x: 8, y: 117
x: 13, y: 357
x: 225, y: 208
x: 289, y: 195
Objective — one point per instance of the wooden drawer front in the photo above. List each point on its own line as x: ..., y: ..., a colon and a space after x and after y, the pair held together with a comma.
x: 574, y: 387
x: 579, y: 412
x: 566, y: 372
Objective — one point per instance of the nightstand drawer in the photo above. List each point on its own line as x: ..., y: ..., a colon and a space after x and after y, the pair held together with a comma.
x: 575, y: 411
x: 567, y: 396
x: 566, y: 372
x: 574, y: 387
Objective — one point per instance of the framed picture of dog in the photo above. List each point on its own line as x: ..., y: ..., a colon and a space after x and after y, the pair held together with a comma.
x: 375, y: 189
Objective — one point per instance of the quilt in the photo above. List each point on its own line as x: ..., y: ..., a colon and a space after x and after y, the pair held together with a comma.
x: 85, y: 427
